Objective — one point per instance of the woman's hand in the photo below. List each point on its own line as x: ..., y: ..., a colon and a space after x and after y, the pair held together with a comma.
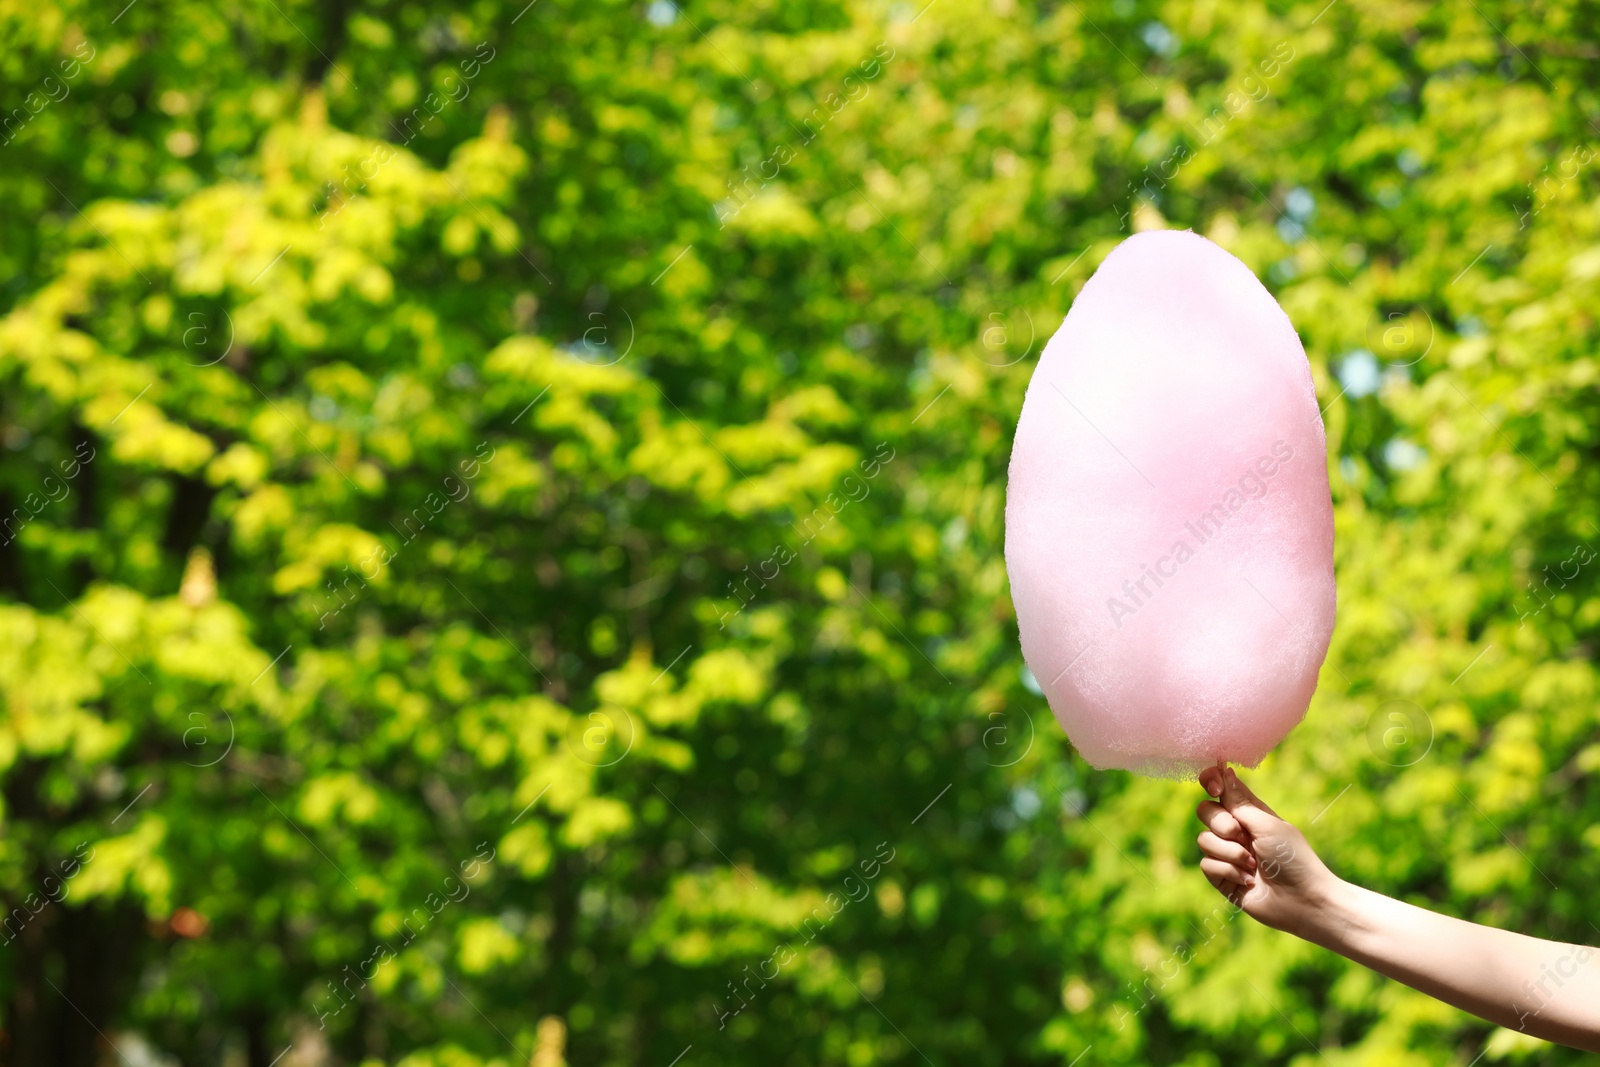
x: 1257, y: 860
x: 1549, y: 989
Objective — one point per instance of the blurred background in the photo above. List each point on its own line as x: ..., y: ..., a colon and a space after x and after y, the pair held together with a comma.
x: 501, y: 522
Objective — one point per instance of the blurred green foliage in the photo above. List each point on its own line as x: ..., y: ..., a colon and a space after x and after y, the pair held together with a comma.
x: 502, y: 518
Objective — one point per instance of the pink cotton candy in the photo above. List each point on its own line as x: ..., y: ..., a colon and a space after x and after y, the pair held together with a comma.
x: 1169, y: 531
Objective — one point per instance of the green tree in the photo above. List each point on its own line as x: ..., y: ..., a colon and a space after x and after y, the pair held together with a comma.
x: 502, y: 516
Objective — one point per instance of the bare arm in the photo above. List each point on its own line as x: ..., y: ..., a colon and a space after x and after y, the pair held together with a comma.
x: 1548, y: 989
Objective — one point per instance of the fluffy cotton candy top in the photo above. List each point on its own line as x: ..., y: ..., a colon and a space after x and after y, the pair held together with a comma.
x: 1169, y: 531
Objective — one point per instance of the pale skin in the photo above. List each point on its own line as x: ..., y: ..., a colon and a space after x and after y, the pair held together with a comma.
x: 1265, y: 866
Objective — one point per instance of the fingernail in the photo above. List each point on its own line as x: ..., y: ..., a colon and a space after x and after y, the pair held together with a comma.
x: 1249, y: 881
x: 1214, y: 788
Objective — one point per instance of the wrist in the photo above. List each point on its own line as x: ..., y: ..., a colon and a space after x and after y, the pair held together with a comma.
x: 1326, y: 914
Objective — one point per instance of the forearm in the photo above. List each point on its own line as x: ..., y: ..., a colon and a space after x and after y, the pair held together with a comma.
x: 1545, y: 988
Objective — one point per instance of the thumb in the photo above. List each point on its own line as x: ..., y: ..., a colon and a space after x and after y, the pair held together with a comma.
x: 1253, y: 814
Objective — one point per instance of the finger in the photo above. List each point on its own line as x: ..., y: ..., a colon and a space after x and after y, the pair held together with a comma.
x: 1220, y: 821
x: 1233, y: 786
x: 1211, y: 781
x: 1245, y: 805
x: 1226, y: 871
x: 1227, y: 851
x: 1232, y: 893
